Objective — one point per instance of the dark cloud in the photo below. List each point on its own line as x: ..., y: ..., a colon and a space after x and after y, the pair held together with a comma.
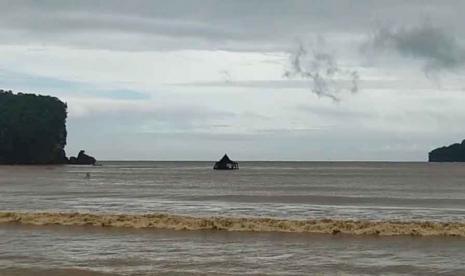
x: 321, y: 68
x: 437, y: 47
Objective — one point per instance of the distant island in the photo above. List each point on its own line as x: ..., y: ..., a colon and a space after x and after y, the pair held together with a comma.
x: 452, y: 153
x: 33, y: 130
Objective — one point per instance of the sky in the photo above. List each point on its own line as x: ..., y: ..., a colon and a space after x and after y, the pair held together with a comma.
x: 261, y: 80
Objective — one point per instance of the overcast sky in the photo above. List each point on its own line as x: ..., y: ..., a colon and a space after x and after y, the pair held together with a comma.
x: 260, y: 80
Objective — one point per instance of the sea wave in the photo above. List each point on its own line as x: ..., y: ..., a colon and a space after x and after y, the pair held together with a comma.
x: 178, y: 222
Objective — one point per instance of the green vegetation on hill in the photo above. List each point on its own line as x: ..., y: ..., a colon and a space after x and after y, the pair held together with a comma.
x: 451, y: 153
x: 32, y: 129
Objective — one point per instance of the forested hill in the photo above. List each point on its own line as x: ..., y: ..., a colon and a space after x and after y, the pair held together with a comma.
x: 32, y: 129
x: 451, y: 153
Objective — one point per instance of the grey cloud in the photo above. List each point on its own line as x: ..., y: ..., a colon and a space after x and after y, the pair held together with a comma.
x: 335, y: 113
x: 379, y: 84
x: 280, y: 145
x: 141, y: 25
x: 437, y: 47
x: 226, y: 75
x: 174, y: 115
x: 322, y: 69
x: 211, y: 24
x: 64, y: 88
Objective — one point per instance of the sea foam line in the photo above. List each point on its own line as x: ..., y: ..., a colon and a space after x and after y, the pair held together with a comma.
x: 178, y: 222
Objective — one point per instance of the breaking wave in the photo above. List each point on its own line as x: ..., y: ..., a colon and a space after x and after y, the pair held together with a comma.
x: 178, y: 222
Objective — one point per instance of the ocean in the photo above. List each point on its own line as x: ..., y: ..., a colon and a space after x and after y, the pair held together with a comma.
x: 268, y: 218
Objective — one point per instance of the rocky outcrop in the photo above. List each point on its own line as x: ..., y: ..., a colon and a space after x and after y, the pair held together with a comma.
x: 32, y: 129
x: 452, y: 153
x: 226, y: 164
x: 82, y: 159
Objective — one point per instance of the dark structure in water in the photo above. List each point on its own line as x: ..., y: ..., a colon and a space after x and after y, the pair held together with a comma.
x: 452, y: 153
x: 32, y: 129
x: 82, y: 159
x: 226, y: 164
